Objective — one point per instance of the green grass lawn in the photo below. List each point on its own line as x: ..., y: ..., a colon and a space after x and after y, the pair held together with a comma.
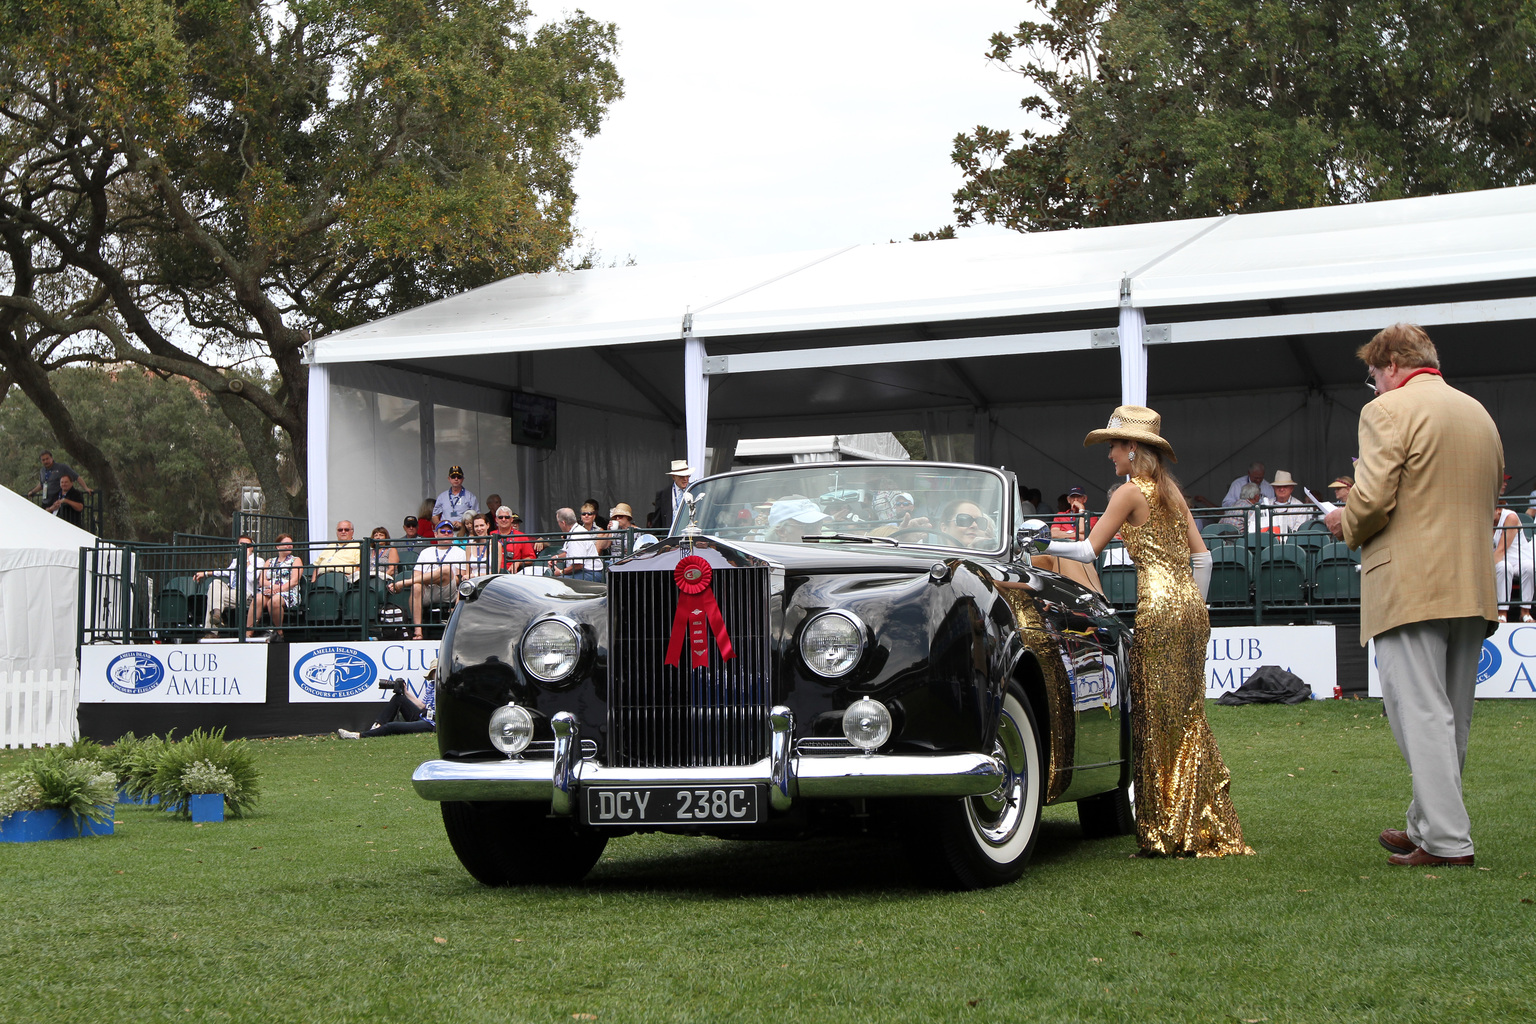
x: 339, y: 899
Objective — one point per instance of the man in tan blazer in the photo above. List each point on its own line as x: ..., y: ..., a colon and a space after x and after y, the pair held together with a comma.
x: 1421, y: 512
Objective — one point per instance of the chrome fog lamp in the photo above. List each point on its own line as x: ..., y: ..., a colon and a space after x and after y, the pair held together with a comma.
x: 832, y: 644
x: 550, y: 649
x: 511, y: 729
x: 867, y: 724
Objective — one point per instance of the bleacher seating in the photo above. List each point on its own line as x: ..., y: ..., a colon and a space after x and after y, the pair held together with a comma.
x: 1119, y: 583
x: 1313, y: 536
x: 1337, y: 576
x: 1282, y: 576
x: 1231, y: 576
x: 1218, y: 532
x: 325, y: 599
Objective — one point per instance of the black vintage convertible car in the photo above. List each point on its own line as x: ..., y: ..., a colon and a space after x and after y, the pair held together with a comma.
x: 818, y: 648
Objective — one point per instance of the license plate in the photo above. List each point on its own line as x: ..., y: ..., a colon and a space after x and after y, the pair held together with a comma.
x: 672, y: 805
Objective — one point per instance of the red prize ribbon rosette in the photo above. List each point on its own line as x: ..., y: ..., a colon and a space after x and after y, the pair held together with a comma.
x: 697, y: 614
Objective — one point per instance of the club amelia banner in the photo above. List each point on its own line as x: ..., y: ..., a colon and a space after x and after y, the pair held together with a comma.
x: 173, y: 674
x: 1506, y: 667
x: 1236, y: 652
x: 351, y: 672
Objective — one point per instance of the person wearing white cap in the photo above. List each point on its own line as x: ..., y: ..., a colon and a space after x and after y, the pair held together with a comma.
x: 789, y: 517
x: 670, y: 498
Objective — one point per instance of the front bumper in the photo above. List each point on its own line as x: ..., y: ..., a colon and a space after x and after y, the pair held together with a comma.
x: 789, y: 775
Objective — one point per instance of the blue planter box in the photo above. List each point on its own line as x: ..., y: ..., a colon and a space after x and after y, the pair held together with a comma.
x: 124, y: 798
x: 37, y: 826
x: 207, y: 807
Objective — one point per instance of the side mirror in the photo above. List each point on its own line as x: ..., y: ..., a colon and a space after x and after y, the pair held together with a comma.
x: 1034, y: 536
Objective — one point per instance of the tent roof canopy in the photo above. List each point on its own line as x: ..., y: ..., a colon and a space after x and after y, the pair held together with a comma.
x: 1329, y: 258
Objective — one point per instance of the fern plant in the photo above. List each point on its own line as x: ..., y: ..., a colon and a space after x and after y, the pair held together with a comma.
x: 234, y: 759
x: 56, y: 780
x: 139, y: 764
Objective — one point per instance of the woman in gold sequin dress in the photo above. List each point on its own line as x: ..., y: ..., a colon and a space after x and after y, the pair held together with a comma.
x: 1183, y: 803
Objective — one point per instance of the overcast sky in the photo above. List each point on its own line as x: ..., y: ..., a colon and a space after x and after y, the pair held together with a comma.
x: 785, y: 126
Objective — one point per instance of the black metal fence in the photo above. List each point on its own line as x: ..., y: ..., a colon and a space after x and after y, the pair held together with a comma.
x: 1280, y: 564
x: 91, y: 517
x: 205, y: 589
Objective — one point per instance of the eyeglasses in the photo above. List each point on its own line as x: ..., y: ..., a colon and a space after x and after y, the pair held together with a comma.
x: 343, y: 529
x: 593, y: 513
x: 964, y: 520
x: 503, y: 517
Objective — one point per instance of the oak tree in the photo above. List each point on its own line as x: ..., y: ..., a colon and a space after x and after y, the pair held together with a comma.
x: 1150, y: 110
x: 200, y: 186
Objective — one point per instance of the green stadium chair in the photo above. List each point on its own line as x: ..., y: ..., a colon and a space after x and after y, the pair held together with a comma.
x: 1337, y: 576
x: 1282, y: 577
x: 1215, y: 533
x: 1119, y: 582
x: 1231, y: 577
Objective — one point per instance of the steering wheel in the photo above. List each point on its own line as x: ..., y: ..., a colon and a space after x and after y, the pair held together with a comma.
x: 944, y: 539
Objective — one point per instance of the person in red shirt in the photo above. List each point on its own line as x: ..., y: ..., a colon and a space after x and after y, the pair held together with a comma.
x: 1074, y: 525
x: 516, y: 549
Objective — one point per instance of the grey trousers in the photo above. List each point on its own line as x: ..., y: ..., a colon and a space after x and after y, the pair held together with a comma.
x: 1428, y: 681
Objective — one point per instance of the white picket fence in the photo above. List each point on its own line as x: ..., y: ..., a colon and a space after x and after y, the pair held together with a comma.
x: 38, y: 709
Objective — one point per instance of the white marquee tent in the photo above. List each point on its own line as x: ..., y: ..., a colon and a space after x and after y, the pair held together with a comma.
x: 39, y: 586
x: 1240, y: 330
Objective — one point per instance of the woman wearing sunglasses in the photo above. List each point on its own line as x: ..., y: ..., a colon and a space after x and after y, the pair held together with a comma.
x: 1183, y: 804
x: 965, y: 522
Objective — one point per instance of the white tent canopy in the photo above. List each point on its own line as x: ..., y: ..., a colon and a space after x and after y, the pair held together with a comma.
x: 1226, y: 323
x: 39, y: 585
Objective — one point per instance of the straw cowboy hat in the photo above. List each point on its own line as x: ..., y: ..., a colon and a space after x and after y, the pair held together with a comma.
x: 1282, y: 479
x: 1133, y: 423
x: 622, y: 509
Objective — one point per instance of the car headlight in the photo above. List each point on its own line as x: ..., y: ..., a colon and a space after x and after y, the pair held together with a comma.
x: 550, y: 650
x: 511, y: 729
x: 832, y: 643
x: 867, y: 724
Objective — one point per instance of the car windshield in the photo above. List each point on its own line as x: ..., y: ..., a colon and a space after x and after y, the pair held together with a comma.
x: 911, y: 504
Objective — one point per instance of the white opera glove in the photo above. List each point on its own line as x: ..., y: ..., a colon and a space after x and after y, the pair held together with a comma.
x: 1077, y: 550
x: 1200, y: 562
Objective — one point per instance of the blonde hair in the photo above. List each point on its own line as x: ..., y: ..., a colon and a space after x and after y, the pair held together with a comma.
x: 1148, y: 465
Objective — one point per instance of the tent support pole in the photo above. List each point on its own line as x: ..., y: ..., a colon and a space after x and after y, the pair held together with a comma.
x: 1133, y: 349
x: 695, y: 396
x: 319, y: 450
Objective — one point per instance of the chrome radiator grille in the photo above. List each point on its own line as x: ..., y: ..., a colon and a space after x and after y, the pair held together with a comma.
x: 665, y: 717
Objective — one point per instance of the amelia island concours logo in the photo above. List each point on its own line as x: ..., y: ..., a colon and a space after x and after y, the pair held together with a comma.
x: 135, y: 672
x: 335, y: 672
x: 1488, y: 661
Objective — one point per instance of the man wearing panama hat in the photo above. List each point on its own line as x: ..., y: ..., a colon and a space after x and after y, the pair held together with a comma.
x: 1290, y: 511
x: 670, y: 497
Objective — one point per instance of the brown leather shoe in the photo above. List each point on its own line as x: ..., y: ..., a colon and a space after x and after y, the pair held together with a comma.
x: 1395, y: 840
x: 1421, y: 858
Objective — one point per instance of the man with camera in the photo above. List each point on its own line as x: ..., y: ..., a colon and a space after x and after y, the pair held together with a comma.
x: 415, y: 714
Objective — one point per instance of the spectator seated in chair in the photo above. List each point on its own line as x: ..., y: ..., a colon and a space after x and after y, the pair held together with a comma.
x: 279, y: 588
x: 342, y: 557
x: 435, y: 579
x: 221, y: 588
